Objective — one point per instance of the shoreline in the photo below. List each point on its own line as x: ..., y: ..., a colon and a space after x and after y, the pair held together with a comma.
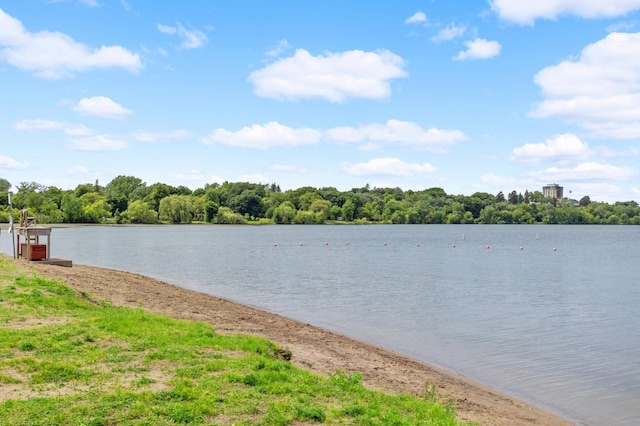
x: 313, y: 348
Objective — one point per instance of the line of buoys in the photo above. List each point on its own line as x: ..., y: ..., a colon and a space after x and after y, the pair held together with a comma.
x: 417, y: 245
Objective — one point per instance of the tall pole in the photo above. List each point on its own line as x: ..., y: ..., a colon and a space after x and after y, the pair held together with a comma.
x: 11, y: 230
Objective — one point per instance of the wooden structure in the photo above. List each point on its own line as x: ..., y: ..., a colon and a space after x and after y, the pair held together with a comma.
x: 30, y: 246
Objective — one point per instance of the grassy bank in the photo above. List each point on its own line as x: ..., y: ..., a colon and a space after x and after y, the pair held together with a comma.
x: 67, y: 359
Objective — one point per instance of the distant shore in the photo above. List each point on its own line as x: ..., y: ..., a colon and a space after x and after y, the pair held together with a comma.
x: 313, y: 348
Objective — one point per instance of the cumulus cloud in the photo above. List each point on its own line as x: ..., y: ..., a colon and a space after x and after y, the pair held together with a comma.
x: 279, y: 49
x: 599, y: 90
x: 90, y: 3
x: 265, y: 136
x: 38, y: 125
x: 416, y: 18
x: 387, y: 167
x: 143, y: 136
x: 189, y: 39
x: 253, y: 178
x: 585, y: 172
x: 333, y: 76
x: 195, y: 177
x: 101, y: 106
x: 527, y: 12
x: 98, y: 143
x: 396, y: 131
x: 560, y: 147
x: 55, y: 55
x: 10, y: 163
x: 78, y: 130
x: 449, y: 32
x: 479, y: 49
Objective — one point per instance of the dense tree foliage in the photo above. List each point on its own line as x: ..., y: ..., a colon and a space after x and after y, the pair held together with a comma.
x: 127, y: 199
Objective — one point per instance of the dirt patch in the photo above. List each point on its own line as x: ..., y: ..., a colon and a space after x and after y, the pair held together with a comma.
x: 312, y: 348
x: 34, y: 322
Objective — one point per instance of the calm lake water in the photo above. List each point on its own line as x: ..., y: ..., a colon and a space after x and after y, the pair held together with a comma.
x: 557, y: 328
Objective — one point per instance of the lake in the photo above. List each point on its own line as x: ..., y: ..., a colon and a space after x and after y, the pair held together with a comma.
x: 546, y: 313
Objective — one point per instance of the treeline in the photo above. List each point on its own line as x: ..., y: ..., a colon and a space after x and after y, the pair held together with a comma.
x: 127, y: 199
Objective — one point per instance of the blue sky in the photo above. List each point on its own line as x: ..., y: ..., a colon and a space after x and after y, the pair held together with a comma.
x: 484, y: 95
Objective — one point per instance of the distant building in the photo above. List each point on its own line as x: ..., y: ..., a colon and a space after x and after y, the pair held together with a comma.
x: 553, y: 190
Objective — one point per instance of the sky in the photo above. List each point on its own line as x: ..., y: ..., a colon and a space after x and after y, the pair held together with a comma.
x: 468, y: 96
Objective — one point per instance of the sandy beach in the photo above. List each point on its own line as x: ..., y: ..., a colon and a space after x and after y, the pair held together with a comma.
x: 313, y: 348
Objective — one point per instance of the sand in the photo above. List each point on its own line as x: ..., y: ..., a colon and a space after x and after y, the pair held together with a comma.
x: 313, y: 348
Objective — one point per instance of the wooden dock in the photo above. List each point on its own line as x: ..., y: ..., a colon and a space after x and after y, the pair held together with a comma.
x: 55, y: 261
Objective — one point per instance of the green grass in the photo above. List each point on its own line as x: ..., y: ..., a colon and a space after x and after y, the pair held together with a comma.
x: 65, y: 360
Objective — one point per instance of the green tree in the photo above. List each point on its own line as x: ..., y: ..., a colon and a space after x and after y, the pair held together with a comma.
x: 139, y: 212
x: 247, y: 203
x: 5, y: 185
x: 284, y: 213
x: 73, y: 208
x: 348, y: 210
x: 176, y: 209
x: 304, y: 217
x: 227, y: 216
x: 117, y: 192
x: 97, y: 211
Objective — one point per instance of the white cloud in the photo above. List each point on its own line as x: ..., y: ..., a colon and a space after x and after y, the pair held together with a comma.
x: 449, y: 32
x: 387, y: 167
x: 396, y: 131
x: 38, y: 125
x: 189, y: 39
x: 560, y: 147
x: 266, y: 136
x: 98, y: 143
x: 10, y: 163
x: 196, y: 178
x: 279, y: 49
x: 621, y: 27
x: 78, y: 130
x: 479, y: 49
x: 54, y: 55
x: 253, y: 178
x: 416, y: 18
x: 599, y: 90
x: 584, y: 172
x: 90, y: 3
x: 101, y: 106
x: 332, y: 76
x: 161, y: 136
x: 526, y: 12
